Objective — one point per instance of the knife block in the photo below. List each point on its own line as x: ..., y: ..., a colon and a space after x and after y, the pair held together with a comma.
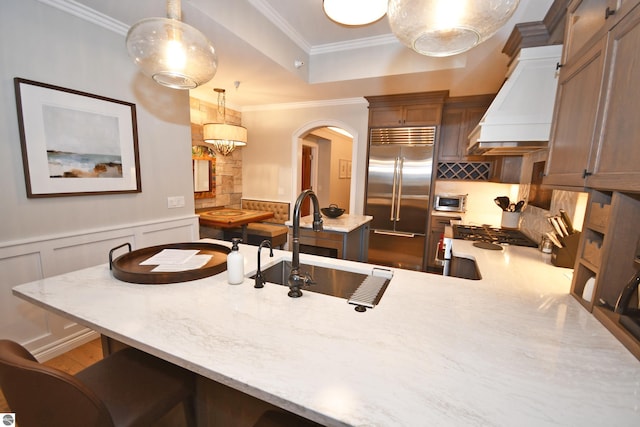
x: 566, y: 256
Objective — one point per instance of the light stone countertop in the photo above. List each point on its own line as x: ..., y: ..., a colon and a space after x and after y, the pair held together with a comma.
x: 512, y: 349
x: 345, y: 223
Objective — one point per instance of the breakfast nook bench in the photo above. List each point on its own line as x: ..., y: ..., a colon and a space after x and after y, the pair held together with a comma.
x: 272, y: 229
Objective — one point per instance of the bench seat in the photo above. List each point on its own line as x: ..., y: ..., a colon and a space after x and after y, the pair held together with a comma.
x: 272, y: 229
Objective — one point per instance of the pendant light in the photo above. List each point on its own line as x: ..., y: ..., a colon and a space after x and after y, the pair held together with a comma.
x: 447, y: 27
x: 354, y: 12
x: 223, y: 136
x: 171, y: 52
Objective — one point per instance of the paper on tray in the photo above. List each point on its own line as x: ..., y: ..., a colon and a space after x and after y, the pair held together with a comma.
x: 171, y: 257
x: 195, y: 262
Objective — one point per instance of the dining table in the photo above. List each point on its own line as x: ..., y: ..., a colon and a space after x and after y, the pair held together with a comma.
x: 233, y: 218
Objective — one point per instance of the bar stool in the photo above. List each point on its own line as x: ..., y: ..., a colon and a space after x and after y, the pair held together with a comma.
x: 127, y: 388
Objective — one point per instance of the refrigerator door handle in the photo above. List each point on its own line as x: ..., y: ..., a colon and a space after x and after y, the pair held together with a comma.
x: 393, y: 189
x: 398, y: 202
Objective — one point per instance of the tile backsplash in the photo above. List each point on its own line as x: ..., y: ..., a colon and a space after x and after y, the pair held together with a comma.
x: 534, y: 220
x: 481, y: 209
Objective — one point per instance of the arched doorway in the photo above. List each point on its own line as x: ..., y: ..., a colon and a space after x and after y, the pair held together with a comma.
x: 332, y: 147
x: 324, y: 159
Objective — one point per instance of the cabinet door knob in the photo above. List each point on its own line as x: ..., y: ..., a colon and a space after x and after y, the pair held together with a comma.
x: 609, y: 12
x: 558, y: 66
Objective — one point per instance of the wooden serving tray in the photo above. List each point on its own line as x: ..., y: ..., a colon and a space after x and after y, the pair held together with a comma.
x: 128, y: 269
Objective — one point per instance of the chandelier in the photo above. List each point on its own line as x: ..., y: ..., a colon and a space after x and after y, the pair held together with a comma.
x: 171, y: 52
x: 447, y: 27
x: 224, y: 137
x: 354, y: 12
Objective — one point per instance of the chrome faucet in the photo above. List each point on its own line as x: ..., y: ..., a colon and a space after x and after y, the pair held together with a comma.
x: 297, y: 280
x: 259, y: 280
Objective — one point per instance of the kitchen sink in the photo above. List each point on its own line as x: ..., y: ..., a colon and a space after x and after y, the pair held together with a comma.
x: 328, y: 281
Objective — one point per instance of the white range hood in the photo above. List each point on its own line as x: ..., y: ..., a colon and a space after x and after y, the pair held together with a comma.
x: 519, y: 118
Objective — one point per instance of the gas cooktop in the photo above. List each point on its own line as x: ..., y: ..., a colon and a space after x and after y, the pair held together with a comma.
x: 492, y: 235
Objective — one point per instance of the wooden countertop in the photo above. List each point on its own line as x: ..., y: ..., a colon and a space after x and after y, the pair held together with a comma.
x: 231, y: 218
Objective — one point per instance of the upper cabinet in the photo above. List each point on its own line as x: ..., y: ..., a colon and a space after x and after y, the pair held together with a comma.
x: 616, y: 164
x: 410, y: 115
x: 575, y: 117
x: 414, y: 109
x: 459, y: 117
x: 586, y: 18
x: 595, y: 127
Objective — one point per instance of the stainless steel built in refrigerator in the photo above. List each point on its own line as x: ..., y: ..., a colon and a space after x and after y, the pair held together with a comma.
x: 398, y: 188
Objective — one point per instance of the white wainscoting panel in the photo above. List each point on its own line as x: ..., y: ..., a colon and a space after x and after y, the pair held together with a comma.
x: 45, y: 334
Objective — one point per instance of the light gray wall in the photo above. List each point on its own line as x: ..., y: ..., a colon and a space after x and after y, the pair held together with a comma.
x: 43, y: 237
x: 269, y: 163
x: 41, y: 43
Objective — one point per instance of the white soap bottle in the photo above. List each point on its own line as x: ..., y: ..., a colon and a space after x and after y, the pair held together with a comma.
x: 235, y: 264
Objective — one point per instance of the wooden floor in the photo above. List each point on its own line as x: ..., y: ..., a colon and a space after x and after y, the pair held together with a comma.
x: 70, y: 362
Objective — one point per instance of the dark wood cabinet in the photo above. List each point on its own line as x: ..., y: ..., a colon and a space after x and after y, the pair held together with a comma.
x: 506, y: 169
x: 595, y: 127
x: 586, y: 19
x: 572, y: 133
x: 413, y: 109
x: 616, y: 163
x: 410, y: 115
x: 605, y: 258
x: 459, y: 117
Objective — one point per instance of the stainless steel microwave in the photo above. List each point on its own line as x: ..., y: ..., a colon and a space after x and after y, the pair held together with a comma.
x: 450, y: 202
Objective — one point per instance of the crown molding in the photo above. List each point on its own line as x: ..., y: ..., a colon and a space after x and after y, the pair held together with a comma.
x: 277, y: 20
x: 90, y: 15
x: 308, y: 104
x: 354, y: 44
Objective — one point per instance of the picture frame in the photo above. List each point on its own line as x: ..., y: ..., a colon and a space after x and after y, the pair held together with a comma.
x: 205, y: 158
x: 76, y: 143
x: 344, y: 169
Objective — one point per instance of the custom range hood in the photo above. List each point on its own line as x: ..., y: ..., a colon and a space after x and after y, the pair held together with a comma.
x: 519, y: 118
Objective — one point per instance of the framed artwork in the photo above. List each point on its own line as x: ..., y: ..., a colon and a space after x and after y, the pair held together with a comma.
x: 204, y: 172
x: 344, y: 169
x: 75, y: 143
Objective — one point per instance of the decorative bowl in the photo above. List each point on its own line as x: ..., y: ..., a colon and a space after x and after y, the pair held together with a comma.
x: 333, y: 211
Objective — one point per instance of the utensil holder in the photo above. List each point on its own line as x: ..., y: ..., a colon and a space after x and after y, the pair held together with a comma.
x: 566, y: 256
x: 510, y: 219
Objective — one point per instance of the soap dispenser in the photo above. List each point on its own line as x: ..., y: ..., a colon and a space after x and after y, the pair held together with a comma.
x: 235, y: 264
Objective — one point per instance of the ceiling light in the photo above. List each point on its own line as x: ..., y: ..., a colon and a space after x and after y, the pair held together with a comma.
x: 355, y: 12
x: 224, y: 137
x: 173, y: 53
x: 447, y: 27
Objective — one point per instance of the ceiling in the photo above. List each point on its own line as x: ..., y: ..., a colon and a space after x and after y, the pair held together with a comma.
x: 258, y: 43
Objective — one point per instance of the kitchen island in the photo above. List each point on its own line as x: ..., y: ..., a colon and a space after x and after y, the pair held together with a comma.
x: 345, y: 237
x: 513, y: 348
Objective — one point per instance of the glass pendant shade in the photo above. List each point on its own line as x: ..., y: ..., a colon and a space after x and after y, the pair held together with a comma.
x: 355, y: 12
x: 171, y: 52
x: 447, y: 27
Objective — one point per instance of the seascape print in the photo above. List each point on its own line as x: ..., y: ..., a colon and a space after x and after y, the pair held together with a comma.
x: 81, y: 144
